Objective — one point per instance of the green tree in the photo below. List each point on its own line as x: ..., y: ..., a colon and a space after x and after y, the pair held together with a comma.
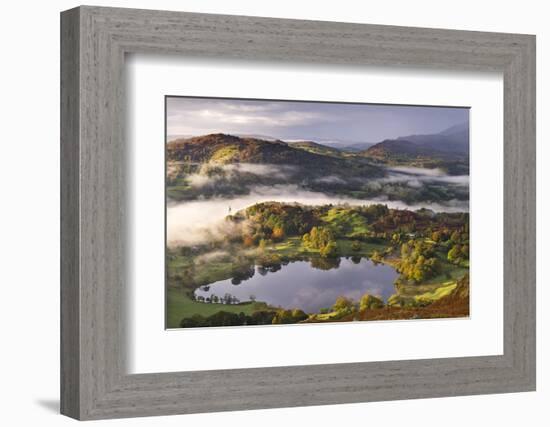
x: 455, y: 237
x: 454, y: 254
x: 314, y: 237
x: 299, y: 315
x: 342, y: 303
x: 283, y: 317
x: 368, y: 302
x: 330, y: 250
x: 375, y: 256
x: 262, y: 244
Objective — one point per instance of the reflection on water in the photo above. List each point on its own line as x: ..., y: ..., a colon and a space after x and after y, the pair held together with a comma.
x: 309, y: 286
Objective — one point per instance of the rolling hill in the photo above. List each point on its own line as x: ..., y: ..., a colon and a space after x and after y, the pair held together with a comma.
x: 450, y: 144
x: 314, y: 147
x: 354, y: 147
x: 313, y: 159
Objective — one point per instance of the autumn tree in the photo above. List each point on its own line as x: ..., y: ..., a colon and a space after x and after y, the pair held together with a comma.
x: 278, y: 234
x: 369, y: 301
x: 455, y: 254
x: 248, y: 240
x: 330, y: 250
x: 342, y: 303
x: 418, y: 261
x: 262, y: 244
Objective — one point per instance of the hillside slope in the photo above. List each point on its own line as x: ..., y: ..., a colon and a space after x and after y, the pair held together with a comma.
x: 226, y: 149
x: 314, y: 147
x: 450, y: 144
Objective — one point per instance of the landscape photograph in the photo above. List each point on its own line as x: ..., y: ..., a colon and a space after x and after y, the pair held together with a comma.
x: 296, y: 212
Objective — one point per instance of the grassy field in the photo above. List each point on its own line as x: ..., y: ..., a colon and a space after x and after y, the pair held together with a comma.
x: 293, y: 247
x: 452, y: 302
x: 352, y: 232
x: 179, y: 305
x: 205, y: 272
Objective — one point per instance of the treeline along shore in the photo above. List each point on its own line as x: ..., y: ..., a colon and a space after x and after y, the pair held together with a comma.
x: 429, y: 250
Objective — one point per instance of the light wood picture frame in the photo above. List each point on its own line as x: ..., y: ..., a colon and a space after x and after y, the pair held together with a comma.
x: 94, y: 379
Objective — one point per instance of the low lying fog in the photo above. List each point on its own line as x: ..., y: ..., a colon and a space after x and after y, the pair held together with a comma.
x: 212, y: 174
x: 196, y: 222
x: 416, y: 177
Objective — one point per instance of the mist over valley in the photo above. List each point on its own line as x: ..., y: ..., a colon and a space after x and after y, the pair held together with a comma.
x: 273, y: 230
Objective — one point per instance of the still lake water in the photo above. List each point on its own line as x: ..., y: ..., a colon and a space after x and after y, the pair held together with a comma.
x: 300, y: 285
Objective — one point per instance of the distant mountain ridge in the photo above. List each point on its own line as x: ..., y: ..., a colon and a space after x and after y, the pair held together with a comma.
x: 355, y: 147
x: 453, y: 142
x: 315, y: 147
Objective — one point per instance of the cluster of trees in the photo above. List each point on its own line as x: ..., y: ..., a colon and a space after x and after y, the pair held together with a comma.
x: 242, y: 271
x: 325, y: 263
x: 459, y: 253
x: 289, y: 316
x: 367, y: 302
x: 344, y: 306
x: 321, y: 238
x: 270, y: 262
x: 225, y: 318
x: 394, y: 219
x: 459, y: 246
x: 418, y: 261
x: 376, y: 257
x: 274, y: 221
x: 260, y: 317
x: 374, y: 212
x: 321, y: 226
x: 400, y: 224
x: 214, y: 299
x: 450, y: 236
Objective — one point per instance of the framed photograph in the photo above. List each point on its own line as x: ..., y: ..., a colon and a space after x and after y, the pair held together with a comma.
x: 277, y: 213
x: 314, y: 224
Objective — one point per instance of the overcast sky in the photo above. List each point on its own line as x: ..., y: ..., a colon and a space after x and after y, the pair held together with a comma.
x: 324, y: 122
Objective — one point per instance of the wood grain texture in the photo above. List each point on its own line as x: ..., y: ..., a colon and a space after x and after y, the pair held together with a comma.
x: 70, y: 258
x: 94, y: 231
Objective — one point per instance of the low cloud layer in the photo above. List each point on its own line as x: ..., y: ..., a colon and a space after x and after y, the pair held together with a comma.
x: 417, y: 177
x: 411, y: 170
x: 331, y: 179
x: 201, y: 221
x: 211, y: 175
